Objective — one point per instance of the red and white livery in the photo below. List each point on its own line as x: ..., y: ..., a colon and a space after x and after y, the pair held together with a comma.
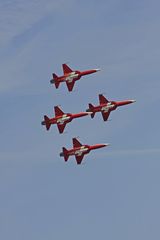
x: 61, y: 118
x: 105, y: 106
x: 79, y: 150
x: 70, y: 76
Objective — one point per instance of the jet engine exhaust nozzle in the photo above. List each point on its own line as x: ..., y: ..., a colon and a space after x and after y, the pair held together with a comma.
x: 43, y: 123
x: 52, y: 81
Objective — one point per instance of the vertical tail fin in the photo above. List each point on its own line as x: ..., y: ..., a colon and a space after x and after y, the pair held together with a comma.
x: 91, y: 109
x: 57, y: 84
x: 55, y: 80
x: 47, y: 122
x: 65, y: 154
x: 54, y: 76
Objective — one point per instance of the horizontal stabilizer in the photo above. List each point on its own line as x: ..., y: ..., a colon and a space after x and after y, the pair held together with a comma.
x: 65, y: 154
x: 55, y: 76
x: 56, y: 83
x: 47, y: 122
x: 91, y: 109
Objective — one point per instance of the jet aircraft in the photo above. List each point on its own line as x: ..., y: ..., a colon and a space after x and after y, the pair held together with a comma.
x: 70, y: 76
x: 105, y: 106
x: 61, y: 119
x: 79, y: 150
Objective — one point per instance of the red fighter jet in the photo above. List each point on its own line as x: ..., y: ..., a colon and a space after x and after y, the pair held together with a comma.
x: 106, y: 106
x: 79, y: 150
x: 61, y: 118
x: 70, y: 76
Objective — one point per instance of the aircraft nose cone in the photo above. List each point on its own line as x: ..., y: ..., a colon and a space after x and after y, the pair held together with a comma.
x: 97, y: 69
x: 132, y: 101
x: 106, y: 144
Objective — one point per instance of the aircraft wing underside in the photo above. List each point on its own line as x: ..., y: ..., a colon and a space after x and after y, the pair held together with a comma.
x: 76, y: 143
x: 79, y: 158
x: 105, y: 115
x: 70, y: 85
x: 66, y: 69
x: 102, y: 99
x: 58, y: 111
x: 61, y: 127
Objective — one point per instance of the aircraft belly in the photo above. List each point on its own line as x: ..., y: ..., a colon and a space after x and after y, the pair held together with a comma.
x: 106, y: 109
x: 71, y: 78
x: 80, y: 152
x: 61, y: 123
x: 62, y: 120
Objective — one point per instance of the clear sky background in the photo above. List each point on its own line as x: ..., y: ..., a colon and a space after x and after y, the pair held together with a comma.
x: 115, y: 194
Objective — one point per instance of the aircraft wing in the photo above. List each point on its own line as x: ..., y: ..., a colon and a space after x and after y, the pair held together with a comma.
x: 102, y: 99
x: 66, y: 69
x: 58, y: 111
x: 70, y: 85
x: 61, y: 127
x: 76, y: 143
x: 105, y: 115
x: 79, y: 158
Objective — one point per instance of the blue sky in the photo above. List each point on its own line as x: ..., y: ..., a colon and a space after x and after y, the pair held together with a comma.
x: 115, y: 193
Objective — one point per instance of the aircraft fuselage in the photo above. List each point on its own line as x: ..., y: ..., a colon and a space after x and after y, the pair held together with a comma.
x: 85, y: 149
x: 110, y: 106
x: 70, y: 77
x: 60, y: 119
x: 78, y: 151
